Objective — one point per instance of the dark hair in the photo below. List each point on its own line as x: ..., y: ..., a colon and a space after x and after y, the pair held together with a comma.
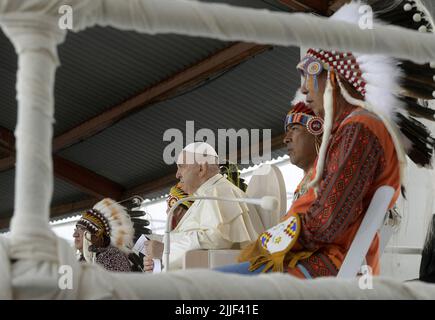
x: 100, y: 241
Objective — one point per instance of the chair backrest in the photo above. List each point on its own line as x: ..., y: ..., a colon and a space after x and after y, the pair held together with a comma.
x: 372, y: 222
x: 267, y: 180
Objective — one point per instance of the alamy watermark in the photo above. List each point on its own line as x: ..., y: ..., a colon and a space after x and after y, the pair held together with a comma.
x: 66, y: 19
x: 365, y: 282
x: 237, y: 146
x: 65, y: 281
x: 366, y: 19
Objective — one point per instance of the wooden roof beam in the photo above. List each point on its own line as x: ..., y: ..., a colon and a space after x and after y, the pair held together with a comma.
x: 85, y: 179
x: 7, y: 142
x: 321, y: 7
x: 226, y: 58
x: 81, y: 177
x: 59, y: 210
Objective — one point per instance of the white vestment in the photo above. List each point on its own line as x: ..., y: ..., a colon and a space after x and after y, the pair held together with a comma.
x: 213, y: 224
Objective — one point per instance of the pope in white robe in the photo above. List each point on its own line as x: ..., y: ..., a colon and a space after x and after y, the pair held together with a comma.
x: 208, y: 224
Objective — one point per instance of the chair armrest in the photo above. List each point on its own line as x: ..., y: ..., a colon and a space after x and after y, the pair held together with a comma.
x: 210, y: 259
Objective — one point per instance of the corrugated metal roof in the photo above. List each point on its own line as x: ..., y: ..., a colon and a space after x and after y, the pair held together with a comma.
x: 63, y: 192
x: 255, y: 94
x: 102, y: 67
x: 8, y: 71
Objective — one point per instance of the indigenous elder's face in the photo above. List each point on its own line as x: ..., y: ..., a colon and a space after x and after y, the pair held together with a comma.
x: 78, y: 238
x: 314, y: 93
x: 300, y: 146
x: 189, y: 172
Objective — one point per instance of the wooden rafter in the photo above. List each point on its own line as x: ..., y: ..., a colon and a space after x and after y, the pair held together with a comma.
x: 85, y: 179
x: 321, y: 7
x: 59, y: 210
x: 82, y: 178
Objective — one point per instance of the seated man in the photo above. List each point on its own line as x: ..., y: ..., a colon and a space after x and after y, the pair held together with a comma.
x: 208, y: 224
x: 363, y: 100
x: 302, y: 137
x: 104, y: 235
x: 228, y: 170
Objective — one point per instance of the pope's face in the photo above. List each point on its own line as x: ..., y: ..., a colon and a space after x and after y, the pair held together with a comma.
x: 188, y: 173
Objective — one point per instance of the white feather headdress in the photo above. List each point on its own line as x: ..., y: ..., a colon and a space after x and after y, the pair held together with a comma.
x: 110, y: 218
x: 389, y: 87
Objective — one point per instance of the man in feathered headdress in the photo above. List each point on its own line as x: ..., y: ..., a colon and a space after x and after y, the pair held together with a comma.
x: 207, y: 224
x: 369, y: 108
x: 104, y: 235
x: 366, y: 104
x: 303, y: 132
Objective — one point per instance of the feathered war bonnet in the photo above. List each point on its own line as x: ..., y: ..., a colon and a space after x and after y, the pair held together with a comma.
x: 109, y: 219
x: 392, y: 89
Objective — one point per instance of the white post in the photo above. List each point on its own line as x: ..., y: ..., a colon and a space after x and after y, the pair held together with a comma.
x: 35, y: 39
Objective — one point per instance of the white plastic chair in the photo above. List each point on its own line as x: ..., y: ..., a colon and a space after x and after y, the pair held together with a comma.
x: 372, y: 222
x: 267, y: 180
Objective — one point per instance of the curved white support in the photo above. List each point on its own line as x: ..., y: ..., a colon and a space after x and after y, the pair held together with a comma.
x: 224, y: 22
x: 371, y: 223
x: 35, y: 42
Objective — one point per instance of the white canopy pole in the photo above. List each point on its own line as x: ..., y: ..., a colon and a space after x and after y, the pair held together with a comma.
x: 35, y: 41
x: 230, y: 23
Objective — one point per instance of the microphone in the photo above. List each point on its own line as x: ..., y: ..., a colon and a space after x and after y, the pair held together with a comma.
x: 267, y: 203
